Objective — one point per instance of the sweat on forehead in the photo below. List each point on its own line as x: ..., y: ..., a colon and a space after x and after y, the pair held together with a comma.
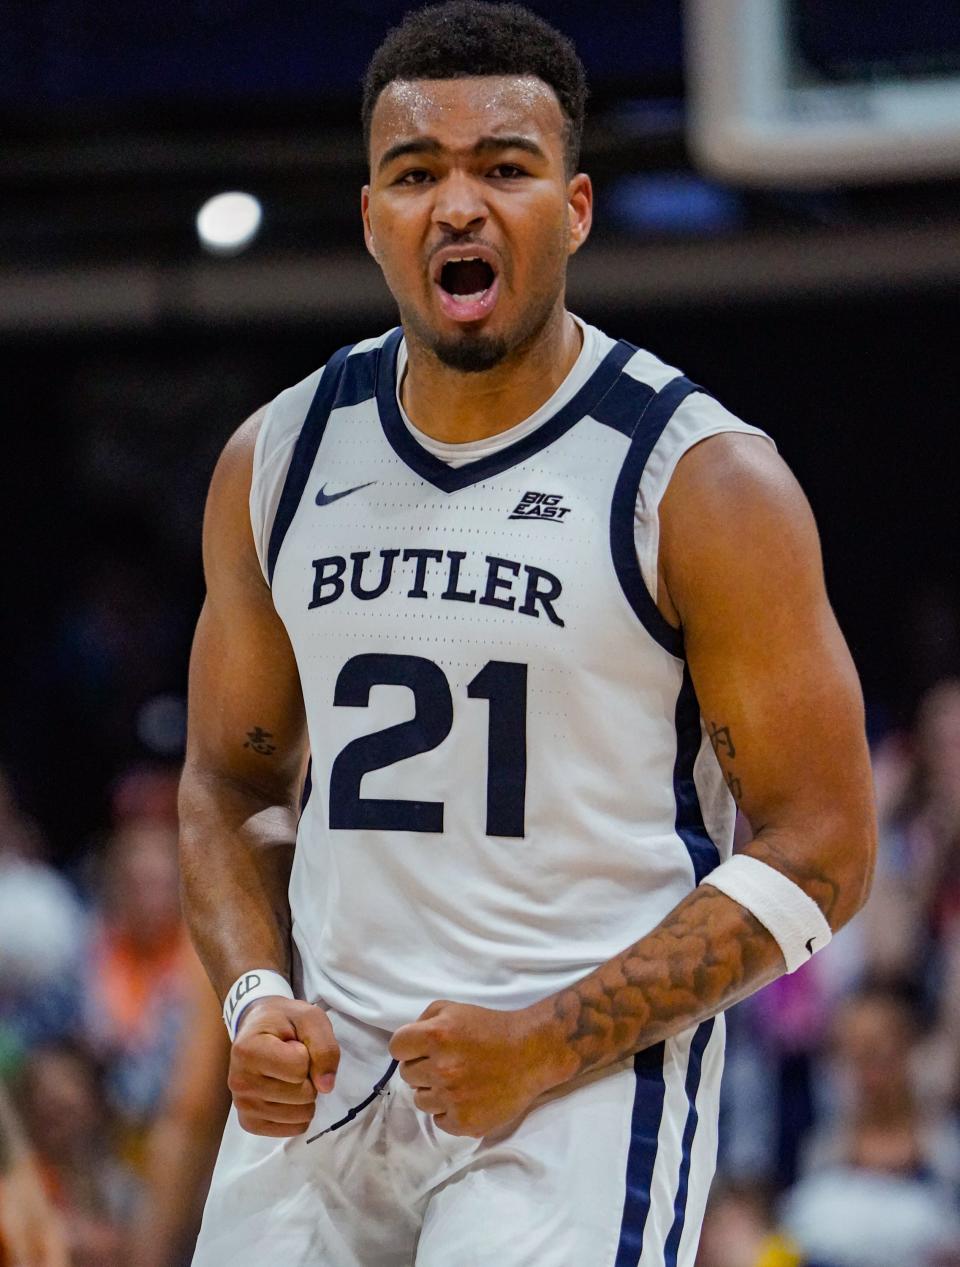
x: 458, y: 110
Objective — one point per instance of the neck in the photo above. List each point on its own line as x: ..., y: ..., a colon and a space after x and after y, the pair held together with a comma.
x: 454, y: 407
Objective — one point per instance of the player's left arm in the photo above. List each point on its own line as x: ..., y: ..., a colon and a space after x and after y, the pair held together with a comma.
x: 741, y: 573
x: 741, y: 567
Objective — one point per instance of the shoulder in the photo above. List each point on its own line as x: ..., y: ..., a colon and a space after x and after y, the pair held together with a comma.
x: 729, y: 476
x: 736, y: 527
x: 348, y: 377
x: 236, y: 457
x: 249, y: 477
x: 233, y: 473
x: 227, y: 535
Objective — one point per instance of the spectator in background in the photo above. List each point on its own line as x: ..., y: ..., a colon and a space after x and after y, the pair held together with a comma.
x: 179, y: 1145
x: 883, y: 1176
x: 912, y: 921
x: 916, y: 899
x: 136, y: 974
x: 68, y: 1125
x: 182, y: 1144
x: 31, y: 1232
x: 42, y: 932
x: 881, y: 1121
x: 740, y: 1230
x: 146, y: 791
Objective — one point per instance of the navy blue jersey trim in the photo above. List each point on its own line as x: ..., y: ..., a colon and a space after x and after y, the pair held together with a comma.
x: 647, y: 430
x: 642, y: 1153
x: 346, y: 380
x: 449, y: 479
x: 358, y: 380
x: 690, y: 826
x: 694, y: 1073
x: 307, y: 786
x: 624, y: 405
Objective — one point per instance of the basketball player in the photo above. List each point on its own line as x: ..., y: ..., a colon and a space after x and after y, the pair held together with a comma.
x: 543, y: 613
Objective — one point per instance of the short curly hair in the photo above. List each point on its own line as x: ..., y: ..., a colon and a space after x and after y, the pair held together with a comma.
x: 464, y: 38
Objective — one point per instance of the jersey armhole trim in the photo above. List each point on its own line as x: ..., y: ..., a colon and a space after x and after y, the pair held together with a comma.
x: 646, y: 432
x: 653, y: 496
x: 304, y: 455
x: 263, y: 469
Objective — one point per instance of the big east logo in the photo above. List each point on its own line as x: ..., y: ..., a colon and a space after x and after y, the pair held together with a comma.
x: 541, y: 506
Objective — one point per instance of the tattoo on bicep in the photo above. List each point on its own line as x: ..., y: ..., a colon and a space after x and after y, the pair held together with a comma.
x: 721, y: 739
x: 259, y: 740
x: 735, y: 786
x: 725, y: 750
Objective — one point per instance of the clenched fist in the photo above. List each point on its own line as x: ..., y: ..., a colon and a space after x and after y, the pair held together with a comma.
x: 285, y: 1053
x: 472, y: 1068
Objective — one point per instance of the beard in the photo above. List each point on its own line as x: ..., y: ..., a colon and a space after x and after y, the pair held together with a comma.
x: 476, y: 352
x: 472, y: 354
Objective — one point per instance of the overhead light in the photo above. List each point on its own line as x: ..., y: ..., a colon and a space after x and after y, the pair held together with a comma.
x: 228, y: 223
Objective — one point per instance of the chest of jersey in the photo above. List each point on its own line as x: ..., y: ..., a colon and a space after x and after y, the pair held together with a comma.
x: 442, y: 633
x: 502, y: 752
x: 522, y: 556
x: 382, y: 571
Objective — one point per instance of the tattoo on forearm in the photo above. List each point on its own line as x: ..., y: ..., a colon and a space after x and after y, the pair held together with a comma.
x: 708, y: 953
x: 259, y: 740
x: 725, y: 750
x: 705, y: 956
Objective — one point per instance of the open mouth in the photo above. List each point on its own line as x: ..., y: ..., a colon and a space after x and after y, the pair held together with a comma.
x: 467, y: 279
x: 467, y: 287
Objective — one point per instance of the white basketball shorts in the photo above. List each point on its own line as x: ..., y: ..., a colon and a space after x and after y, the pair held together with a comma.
x: 611, y: 1170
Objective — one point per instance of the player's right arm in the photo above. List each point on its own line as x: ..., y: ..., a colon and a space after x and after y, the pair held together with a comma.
x: 246, y: 747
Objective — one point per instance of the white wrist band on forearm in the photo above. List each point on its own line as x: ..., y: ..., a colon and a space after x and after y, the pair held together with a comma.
x: 788, y: 914
x: 258, y: 983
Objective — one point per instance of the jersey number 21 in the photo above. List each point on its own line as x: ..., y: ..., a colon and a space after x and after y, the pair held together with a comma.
x: 500, y: 682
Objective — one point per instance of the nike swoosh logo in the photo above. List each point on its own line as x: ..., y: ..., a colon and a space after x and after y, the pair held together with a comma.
x: 324, y: 499
x: 810, y: 945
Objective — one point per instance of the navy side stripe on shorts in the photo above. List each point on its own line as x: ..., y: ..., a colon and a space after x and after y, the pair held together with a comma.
x: 694, y: 1071
x: 642, y: 1154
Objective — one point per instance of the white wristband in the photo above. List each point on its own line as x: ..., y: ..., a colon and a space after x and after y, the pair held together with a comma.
x: 258, y: 983
x: 788, y: 914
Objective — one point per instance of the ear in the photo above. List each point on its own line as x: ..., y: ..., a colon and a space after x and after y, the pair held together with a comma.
x: 365, y: 216
x: 580, y: 211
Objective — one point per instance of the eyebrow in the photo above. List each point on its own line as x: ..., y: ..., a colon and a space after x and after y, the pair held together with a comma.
x: 486, y: 144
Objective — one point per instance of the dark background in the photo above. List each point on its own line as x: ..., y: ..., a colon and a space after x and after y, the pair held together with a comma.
x: 62, y: 53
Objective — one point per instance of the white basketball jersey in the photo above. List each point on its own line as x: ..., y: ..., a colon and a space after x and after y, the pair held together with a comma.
x: 510, y: 780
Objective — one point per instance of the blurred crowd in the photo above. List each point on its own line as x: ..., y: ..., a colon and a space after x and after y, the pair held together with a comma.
x: 111, y: 1044
x: 840, y: 1118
